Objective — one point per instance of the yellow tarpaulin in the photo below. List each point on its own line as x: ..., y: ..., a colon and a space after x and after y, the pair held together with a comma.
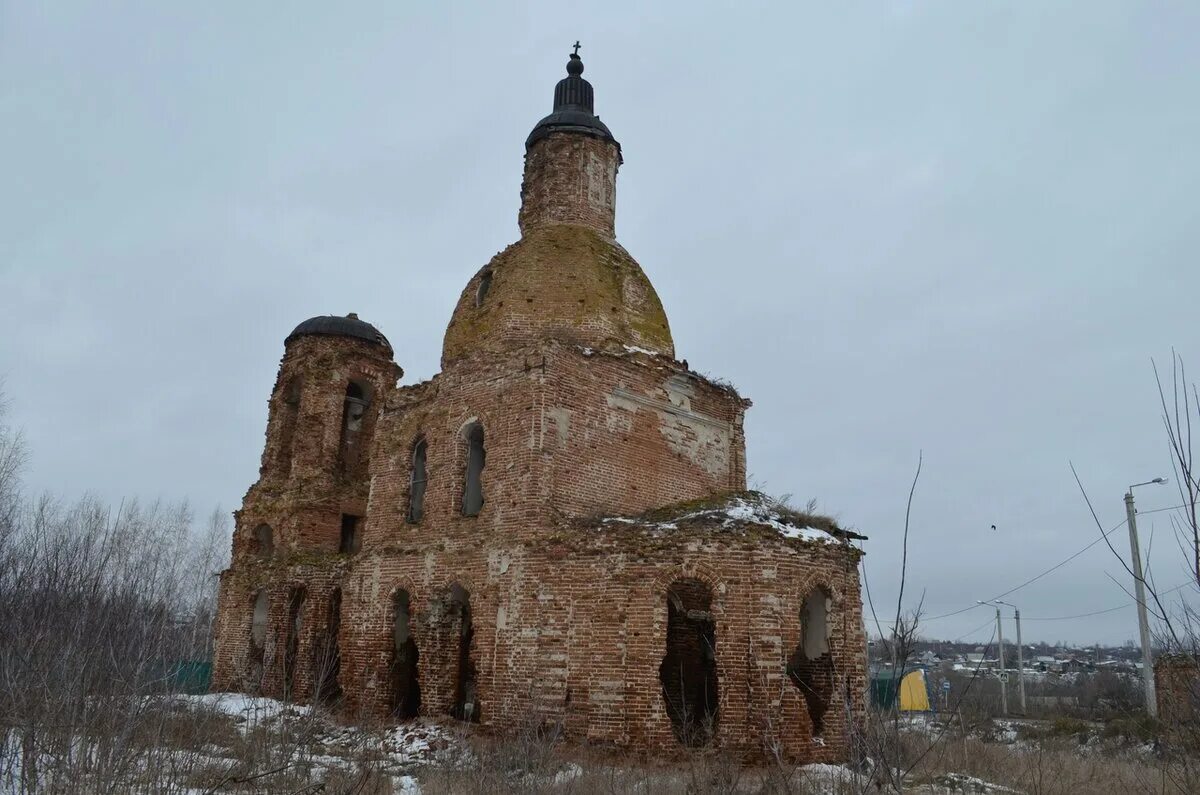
x: 914, y: 697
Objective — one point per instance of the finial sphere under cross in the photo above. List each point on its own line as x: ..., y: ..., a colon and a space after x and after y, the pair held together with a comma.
x: 576, y: 47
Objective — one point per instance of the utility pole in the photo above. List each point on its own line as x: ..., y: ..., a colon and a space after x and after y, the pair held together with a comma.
x: 1020, y: 655
x: 1003, y: 677
x: 1139, y: 585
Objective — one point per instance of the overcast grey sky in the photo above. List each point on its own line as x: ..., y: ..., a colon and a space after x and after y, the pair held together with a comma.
x: 962, y: 228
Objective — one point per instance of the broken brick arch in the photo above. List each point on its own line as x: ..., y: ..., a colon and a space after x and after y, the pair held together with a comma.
x: 327, y: 655
x: 688, y: 672
x: 450, y: 685
x: 297, y: 595
x: 404, y: 665
x: 259, y: 619
x: 810, y: 666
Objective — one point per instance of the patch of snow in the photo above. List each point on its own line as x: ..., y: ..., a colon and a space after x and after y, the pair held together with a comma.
x: 828, y: 779
x: 249, y: 711
x: 406, y: 785
x: 960, y: 782
x: 736, y: 512
x: 635, y: 349
x: 568, y: 774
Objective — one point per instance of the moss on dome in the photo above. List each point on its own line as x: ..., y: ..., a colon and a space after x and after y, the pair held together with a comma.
x: 560, y: 282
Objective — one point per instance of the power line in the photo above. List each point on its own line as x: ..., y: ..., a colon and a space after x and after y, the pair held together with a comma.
x: 1101, y: 612
x: 990, y: 622
x: 1053, y: 568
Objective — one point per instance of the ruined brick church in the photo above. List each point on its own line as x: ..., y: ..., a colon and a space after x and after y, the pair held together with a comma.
x: 554, y: 528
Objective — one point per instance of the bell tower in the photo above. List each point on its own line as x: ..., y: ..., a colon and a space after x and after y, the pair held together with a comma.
x: 571, y: 162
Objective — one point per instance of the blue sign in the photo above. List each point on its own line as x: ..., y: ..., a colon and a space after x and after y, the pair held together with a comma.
x: 946, y: 685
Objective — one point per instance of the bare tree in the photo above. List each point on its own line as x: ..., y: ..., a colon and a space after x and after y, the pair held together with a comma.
x: 1177, y: 420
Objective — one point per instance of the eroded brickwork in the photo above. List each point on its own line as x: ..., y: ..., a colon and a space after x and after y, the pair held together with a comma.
x: 1177, y: 688
x: 571, y: 595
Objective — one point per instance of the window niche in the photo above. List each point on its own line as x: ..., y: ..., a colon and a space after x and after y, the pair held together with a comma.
x: 289, y: 412
x: 264, y: 541
x: 351, y: 538
x: 810, y: 667
x: 485, y: 284
x: 417, y: 482
x: 476, y: 457
x: 354, y: 410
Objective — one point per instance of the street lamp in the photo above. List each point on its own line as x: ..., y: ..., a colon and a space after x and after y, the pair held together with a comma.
x: 1139, y: 585
x: 1020, y: 654
x: 1000, y: 640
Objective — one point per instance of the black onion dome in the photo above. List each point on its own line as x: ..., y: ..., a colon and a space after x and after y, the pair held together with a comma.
x: 337, y: 326
x: 573, y: 108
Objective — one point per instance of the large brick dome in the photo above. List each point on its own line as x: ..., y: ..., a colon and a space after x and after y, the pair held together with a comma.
x: 562, y: 282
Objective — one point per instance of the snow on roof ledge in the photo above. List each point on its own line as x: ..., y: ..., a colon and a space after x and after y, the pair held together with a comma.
x: 739, y: 510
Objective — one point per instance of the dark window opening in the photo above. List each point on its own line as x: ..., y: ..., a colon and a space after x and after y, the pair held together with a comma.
x: 416, y: 486
x: 353, y: 416
x: 350, y: 542
x: 476, y: 458
x: 406, y: 691
x: 295, y: 623
x: 258, y: 638
x: 327, y: 655
x: 466, y: 704
x: 264, y: 541
x: 289, y: 412
x: 689, y: 669
x: 810, y: 667
x: 485, y: 284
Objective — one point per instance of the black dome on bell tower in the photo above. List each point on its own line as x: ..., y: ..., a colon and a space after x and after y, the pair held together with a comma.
x: 573, y: 108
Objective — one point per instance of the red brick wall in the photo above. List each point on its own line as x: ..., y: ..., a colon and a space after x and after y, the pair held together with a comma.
x: 569, y: 622
x: 570, y: 179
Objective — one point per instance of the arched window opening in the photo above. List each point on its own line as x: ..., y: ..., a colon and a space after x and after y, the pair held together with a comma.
x: 264, y: 541
x: 289, y: 412
x: 291, y: 652
x: 810, y: 667
x: 472, y: 502
x: 351, y: 539
x: 327, y: 656
x: 416, y: 484
x: 406, y: 691
x: 354, y: 409
x: 688, y: 672
x: 259, y: 618
x: 485, y: 284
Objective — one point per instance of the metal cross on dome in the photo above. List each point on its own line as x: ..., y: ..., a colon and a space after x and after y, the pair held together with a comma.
x: 576, y: 47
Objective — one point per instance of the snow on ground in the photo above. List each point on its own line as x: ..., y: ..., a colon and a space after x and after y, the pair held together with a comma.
x: 960, y: 782
x: 826, y: 778
x: 248, y: 711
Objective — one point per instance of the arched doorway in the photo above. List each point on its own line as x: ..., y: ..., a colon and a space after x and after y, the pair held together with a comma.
x: 406, y: 691
x: 688, y: 672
